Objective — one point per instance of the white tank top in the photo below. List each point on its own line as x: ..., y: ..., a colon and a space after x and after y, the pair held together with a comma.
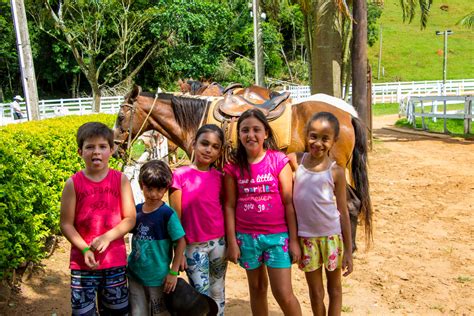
x: 315, y: 203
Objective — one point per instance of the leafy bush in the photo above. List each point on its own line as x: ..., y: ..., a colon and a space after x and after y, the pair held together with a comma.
x: 36, y: 158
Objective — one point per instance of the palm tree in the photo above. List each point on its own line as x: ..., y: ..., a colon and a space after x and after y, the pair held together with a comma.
x: 467, y: 21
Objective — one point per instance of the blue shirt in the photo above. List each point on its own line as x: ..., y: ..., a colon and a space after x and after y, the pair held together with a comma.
x: 152, y: 244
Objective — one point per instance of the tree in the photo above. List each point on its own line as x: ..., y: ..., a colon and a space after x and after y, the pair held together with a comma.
x: 467, y: 20
x: 107, y: 39
x: 198, y: 37
x: 10, y: 82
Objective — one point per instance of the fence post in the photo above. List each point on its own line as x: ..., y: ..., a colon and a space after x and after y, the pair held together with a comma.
x: 423, y: 124
x: 42, y: 105
x: 467, y: 115
x: 445, y: 128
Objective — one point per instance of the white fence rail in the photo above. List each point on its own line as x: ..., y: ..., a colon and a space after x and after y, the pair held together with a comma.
x: 394, y: 92
x: 436, y: 107
x: 58, y: 107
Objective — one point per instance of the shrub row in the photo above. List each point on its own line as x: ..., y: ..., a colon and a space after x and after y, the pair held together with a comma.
x: 36, y: 158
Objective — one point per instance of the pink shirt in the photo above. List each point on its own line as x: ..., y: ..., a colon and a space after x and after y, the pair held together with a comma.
x: 259, y: 208
x: 98, y: 210
x: 202, y: 214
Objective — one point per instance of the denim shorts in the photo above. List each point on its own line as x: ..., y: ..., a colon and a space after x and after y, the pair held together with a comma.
x: 269, y: 249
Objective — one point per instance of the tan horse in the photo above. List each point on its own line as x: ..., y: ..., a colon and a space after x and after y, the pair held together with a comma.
x: 178, y: 118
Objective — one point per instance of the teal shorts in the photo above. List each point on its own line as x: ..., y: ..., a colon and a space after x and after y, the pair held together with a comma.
x: 269, y: 249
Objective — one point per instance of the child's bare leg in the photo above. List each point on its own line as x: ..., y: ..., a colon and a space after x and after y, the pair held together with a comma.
x: 316, y: 291
x: 334, y: 291
x: 258, y: 288
x: 280, y: 281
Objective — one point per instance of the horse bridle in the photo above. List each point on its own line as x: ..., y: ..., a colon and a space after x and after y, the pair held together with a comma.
x: 130, y: 140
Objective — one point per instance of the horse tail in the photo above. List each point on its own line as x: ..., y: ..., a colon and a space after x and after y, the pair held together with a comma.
x: 360, y: 175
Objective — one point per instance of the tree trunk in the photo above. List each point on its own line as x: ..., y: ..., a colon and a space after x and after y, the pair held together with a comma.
x: 307, y: 39
x: 96, y: 96
x: 326, y: 50
x: 359, y: 60
x: 74, y: 86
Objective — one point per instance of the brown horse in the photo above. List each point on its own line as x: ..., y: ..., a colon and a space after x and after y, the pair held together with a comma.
x: 178, y: 118
x: 194, y: 87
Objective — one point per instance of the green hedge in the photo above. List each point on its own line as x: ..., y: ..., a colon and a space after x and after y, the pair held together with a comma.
x: 36, y: 158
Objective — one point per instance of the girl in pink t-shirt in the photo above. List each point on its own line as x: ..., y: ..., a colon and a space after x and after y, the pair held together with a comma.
x: 260, y: 218
x: 196, y: 195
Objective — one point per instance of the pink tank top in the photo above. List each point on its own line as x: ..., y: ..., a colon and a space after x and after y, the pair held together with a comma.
x: 98, y: 210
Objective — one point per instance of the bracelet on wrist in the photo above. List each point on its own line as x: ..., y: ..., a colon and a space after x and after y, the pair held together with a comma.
x: 172, y: 272
x: 85, y: 250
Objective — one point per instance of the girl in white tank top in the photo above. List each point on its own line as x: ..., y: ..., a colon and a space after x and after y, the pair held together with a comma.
x: 319, y: 197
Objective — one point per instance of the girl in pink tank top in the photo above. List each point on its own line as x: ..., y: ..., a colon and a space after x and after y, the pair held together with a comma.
x: 320, y: 203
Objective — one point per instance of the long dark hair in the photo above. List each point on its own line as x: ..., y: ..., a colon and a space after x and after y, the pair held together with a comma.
x: 240, y: 154
x: 212, y: 128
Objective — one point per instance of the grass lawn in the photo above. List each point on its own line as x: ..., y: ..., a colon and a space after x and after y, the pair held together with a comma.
x: 454, y: 126
x: 385, y: 109
x: 412, y: 54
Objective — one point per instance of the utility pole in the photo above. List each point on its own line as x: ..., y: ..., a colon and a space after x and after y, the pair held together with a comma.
x: 380, y: 53
x: 258, y: 46
x: 25, y: 58
x: 445, y: 55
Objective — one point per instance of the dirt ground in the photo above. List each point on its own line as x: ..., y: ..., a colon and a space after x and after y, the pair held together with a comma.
x: 422, y: 258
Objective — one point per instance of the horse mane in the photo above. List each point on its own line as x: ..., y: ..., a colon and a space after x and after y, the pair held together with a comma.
x: 162, y: 96
x: 188, y: 111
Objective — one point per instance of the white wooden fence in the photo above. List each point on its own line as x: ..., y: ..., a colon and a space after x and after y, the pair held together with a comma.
x: 436, y: 107
x: 394, y: 92
x: 59, y: 107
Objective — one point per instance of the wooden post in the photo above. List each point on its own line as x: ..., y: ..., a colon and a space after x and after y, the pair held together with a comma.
x: 369, y: 106
x: 26, y: 59
x: 423, y: 124
x: 468, y: 115
x: 445, y: 127
x: 359, y: 59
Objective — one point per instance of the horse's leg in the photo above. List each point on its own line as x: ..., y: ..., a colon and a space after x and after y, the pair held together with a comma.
x: 360, y: 175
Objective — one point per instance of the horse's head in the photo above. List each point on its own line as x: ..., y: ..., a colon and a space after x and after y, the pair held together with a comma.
x: 125, y: 126
x: 184, y: 87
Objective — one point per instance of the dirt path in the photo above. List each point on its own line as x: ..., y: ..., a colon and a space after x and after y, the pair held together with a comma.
x: 422, y: 259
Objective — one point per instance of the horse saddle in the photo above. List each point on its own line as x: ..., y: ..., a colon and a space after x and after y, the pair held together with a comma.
x: 231, y: 87
x: 233, y: 105
x: 225, y: 112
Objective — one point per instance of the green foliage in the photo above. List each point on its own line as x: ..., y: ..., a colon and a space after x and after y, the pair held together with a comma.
x: 241, y: 71
x: 374, y: 12
x: 8, y: 53
x: 196, y: 35
x: 36, y: 158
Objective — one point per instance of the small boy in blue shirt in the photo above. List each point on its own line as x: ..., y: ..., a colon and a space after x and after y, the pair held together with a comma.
x: 156, y: 230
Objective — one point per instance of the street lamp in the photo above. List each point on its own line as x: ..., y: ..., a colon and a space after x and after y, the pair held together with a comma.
x: 445, y: 55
